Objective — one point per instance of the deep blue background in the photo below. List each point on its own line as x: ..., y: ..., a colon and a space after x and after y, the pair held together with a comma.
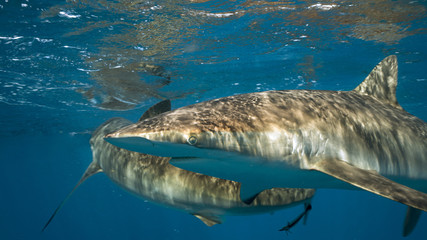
x: 48, y: 47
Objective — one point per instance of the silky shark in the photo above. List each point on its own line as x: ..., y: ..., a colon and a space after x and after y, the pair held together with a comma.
x: 154, y: 179
x: 298, y: 138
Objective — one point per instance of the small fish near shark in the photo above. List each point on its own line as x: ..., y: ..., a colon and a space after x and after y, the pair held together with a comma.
x: 358, y: 139
x: 154, y: 179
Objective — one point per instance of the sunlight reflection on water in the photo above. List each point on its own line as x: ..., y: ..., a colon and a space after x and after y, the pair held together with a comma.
x: 139, y: 39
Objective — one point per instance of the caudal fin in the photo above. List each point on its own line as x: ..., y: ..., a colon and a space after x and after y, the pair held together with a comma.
x: 91, y: 170
x: 307, y: 208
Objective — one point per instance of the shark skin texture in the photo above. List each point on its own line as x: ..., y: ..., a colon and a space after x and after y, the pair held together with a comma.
x: 297, y: 138
x: 153, y: 178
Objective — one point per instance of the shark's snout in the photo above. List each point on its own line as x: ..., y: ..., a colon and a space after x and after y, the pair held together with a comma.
x: 136, y: 144
x: 111, y: 135
x: 151, y: 147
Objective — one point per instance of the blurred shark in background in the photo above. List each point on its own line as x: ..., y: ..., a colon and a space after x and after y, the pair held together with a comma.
x: 154, y: 179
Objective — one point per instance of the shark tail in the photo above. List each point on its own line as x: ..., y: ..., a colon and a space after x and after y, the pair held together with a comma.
x: 90, y: 171
x: 307, y: 207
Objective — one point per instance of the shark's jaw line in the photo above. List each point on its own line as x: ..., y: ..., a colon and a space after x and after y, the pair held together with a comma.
x: 173, y: 150
x: 211, y: 161
x: 156, y: 148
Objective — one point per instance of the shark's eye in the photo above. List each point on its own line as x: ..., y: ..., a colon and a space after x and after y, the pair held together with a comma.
x: 192, y: 140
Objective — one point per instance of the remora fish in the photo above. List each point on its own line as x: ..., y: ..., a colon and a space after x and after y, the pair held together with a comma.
x: 297, y: 138
x: 154, y: 179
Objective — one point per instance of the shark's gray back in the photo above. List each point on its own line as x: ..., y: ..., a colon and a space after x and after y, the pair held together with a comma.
x: 297, y: 138
x: 350, y: 126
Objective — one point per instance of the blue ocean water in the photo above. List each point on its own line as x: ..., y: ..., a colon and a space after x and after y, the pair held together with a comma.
x: 68, y: 66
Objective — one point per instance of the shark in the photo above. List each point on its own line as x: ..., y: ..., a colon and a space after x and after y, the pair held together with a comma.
x: 152, y: 178
x: 357, y: 139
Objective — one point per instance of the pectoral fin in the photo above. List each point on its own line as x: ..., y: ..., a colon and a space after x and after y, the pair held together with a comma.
x: 208, y: 220
x: 411, y: 220
x: 372, y: 182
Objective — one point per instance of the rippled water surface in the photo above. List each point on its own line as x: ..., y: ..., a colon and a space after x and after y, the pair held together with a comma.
x: 67, y: 66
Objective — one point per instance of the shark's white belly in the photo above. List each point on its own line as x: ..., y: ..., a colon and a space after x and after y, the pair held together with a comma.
x: 285, y: 159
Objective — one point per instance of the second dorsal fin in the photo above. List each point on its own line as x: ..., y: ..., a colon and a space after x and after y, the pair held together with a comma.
x: 382, y: 81
x: 161, y: 107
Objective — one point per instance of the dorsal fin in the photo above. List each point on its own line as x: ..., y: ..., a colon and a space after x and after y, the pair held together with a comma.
x: 90, y: 171
x: 248, y: 192
x: 156, y: 109
x: 382, y: 81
